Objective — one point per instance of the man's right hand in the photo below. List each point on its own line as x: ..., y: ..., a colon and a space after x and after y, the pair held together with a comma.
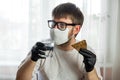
x: 37, y: 51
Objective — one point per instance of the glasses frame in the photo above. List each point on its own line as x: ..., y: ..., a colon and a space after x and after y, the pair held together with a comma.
x: 56, y: 23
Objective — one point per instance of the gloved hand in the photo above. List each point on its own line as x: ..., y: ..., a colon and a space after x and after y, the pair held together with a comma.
x: 38, y: 51
x: 89, y: 59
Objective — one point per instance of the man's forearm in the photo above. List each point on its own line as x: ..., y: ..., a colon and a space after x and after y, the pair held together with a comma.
x: 25, y: 71
x: 93, y: 75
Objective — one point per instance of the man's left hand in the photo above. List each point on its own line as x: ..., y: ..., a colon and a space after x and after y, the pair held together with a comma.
x: 89, y: 59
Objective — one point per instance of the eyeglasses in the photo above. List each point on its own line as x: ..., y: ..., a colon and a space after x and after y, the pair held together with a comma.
x: 60, y: 25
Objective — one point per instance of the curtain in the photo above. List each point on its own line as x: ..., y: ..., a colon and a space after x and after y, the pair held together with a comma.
x: 116, y: 59
x: 13, y: 36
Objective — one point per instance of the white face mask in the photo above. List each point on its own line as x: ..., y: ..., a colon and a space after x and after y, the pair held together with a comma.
x: 58, y: 36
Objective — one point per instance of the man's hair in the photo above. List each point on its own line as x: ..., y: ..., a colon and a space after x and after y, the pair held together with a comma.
x: 68, y: 10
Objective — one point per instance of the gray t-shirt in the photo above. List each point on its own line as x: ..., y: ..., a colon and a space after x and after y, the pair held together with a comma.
x: 60, y: 65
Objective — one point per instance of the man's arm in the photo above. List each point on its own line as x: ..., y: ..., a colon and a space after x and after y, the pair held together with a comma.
x: 92, y: 75
x: 25, y: 71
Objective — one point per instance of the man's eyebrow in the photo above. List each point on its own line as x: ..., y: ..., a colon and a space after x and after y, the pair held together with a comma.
x: 62, y: 22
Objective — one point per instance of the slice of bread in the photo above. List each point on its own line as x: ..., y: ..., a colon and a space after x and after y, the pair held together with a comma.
x: 80, y: 44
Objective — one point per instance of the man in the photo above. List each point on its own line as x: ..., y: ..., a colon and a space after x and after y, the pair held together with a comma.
x: 62, y: 62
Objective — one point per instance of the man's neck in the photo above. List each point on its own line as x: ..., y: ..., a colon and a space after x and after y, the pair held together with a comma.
x: 67, y: 46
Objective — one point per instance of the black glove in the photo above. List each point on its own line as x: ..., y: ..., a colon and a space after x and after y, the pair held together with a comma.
x: 38, y: 51
x: 89, y: 59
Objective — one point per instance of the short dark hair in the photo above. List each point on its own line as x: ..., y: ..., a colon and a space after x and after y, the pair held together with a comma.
x: 70, y: 10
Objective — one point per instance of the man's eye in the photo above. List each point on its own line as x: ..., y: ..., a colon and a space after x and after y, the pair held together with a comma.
x: 61, y: 25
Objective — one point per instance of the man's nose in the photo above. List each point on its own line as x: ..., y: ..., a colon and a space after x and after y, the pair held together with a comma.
x: 55, y: 26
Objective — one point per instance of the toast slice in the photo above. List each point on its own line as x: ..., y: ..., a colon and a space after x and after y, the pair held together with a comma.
x: 80, y: 44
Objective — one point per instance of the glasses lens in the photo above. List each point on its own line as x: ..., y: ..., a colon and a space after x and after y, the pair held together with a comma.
x: 51, y: 24
x: 61, y: 26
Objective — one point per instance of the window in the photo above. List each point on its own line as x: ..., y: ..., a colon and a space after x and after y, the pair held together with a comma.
x: 13, y: 35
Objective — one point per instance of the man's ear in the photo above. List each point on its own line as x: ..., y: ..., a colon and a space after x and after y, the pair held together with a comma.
x: 77, y: 29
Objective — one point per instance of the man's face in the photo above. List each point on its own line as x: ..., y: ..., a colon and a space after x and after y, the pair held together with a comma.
x: 63, y: 30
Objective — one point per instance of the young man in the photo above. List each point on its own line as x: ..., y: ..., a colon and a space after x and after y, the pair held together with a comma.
x: 62, y: 62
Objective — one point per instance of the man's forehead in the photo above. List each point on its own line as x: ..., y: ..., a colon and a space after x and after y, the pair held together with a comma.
x: 68, y: 20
